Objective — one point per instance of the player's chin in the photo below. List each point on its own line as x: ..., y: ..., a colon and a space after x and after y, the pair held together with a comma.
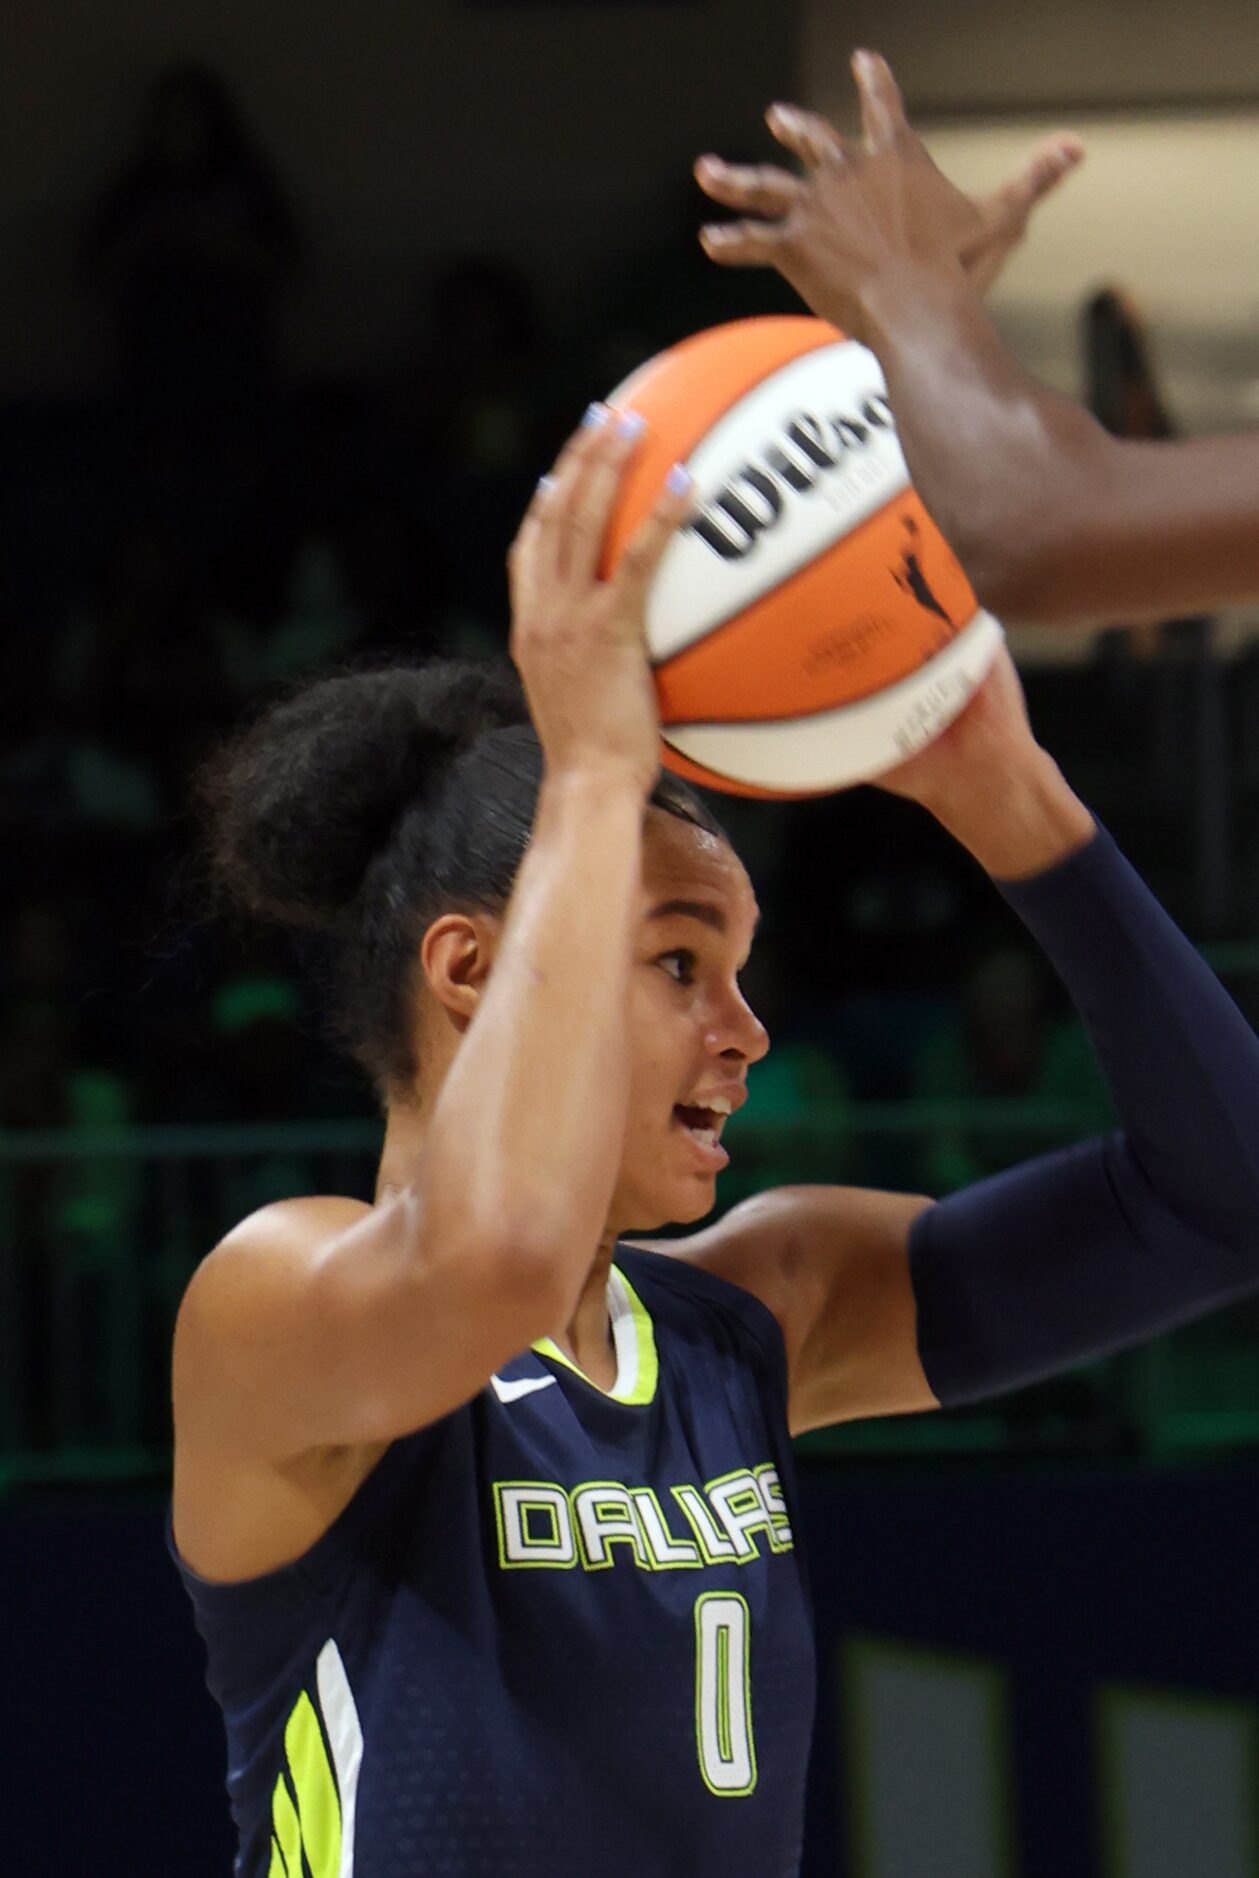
x: 692, y: 1198
x: 674, y: 1203
x: 702, y: 1200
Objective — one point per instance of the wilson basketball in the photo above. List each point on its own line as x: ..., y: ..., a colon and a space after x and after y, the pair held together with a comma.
x: 809, y: 626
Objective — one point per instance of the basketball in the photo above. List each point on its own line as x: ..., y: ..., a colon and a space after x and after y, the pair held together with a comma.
x: 809, y: 626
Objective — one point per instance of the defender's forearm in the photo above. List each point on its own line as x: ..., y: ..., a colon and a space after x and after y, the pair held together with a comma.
x: 1010, y: 471
x: 1055, y: 520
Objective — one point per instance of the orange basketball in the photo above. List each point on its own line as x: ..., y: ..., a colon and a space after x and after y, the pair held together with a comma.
x: 809, y: 627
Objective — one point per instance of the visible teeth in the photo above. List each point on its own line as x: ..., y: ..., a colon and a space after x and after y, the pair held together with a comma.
x: 720, y: 1105
x: 707, y: 1135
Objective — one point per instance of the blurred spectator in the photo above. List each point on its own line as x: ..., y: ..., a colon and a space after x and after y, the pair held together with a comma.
x: 1123, y: 393
x: 1121, y: 389
x: 245, y: 1055
x: 191, y: 247
x: 1005, y: 1044
x: 255, y: 1071
x: 40, y: 955
x: 316, y: 621
x: 138, y: 671
x: 464, y: 436
x: 470, y: 401
x: 61, y: 778
x: 260, y: 1049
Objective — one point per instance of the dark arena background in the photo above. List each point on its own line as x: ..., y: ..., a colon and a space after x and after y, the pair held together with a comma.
x: 450, y: 225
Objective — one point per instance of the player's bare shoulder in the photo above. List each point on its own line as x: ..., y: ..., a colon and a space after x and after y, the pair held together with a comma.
x: 238, y: 1294
x: 236, y: 1516
x: 278, y: 1241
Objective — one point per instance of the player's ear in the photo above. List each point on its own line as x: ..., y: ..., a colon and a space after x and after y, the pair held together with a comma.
x: 456, y: 954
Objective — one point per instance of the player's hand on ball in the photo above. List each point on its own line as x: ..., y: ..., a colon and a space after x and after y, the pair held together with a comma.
x: 980, y: 755
x: 578, y: 640
x: 860, y: 212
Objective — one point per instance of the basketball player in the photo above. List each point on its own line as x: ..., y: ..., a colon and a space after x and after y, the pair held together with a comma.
x: 1053, y: 518
x: 487, y: 1512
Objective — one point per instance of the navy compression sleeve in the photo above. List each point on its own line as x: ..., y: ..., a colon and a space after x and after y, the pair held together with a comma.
x: 1078, y: 1253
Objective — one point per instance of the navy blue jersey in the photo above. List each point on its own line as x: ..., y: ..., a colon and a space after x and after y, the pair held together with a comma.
x: 560, y: 1631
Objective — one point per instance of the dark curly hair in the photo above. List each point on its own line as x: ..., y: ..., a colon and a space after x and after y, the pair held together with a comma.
x: 362, y: 806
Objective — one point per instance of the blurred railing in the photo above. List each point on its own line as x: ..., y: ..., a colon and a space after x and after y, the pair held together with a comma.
x: 99, y: 1234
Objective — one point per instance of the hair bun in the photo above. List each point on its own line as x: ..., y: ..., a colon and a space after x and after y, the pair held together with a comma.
x: 297, y: 803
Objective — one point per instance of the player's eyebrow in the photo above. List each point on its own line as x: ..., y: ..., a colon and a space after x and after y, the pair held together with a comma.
x: 702, y: 910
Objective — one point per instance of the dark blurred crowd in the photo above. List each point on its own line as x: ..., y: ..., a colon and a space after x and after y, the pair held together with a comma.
x: 205, y: 529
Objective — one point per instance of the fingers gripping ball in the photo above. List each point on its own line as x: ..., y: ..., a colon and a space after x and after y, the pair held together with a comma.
x: 809, y: 627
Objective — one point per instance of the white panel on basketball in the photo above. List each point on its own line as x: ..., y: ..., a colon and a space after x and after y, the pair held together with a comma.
x: 833, y: 749
x: 829, y: 392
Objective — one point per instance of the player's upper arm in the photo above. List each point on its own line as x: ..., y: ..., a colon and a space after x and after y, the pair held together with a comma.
x: 1129, y: 531
x: 327, y: 1323
x: 832, y: 1265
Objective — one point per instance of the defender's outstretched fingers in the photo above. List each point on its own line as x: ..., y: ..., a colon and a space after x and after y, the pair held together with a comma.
x: 1053, y: 159
x: 646, y: 547
x: 741, y: 244
x: 805, y: 134
x: 759, y: 189
x: 882, y: 108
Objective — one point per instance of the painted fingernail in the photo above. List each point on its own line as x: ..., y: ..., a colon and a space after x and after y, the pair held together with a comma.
x: 631, y: 425
x: 545, y: 485
x: 679, y: 480
x: 595, y: 414
x: 716, y: 234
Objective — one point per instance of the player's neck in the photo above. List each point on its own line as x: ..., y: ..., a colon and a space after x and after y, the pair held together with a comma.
x: 587, y: 1338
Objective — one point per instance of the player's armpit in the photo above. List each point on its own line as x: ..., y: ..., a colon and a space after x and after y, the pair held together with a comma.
x: 832, y: 1266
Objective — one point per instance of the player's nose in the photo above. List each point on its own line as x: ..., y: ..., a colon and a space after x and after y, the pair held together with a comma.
x: 739, y: 1033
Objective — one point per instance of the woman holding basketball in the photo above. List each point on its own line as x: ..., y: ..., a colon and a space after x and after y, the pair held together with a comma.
x: 486, y: 1513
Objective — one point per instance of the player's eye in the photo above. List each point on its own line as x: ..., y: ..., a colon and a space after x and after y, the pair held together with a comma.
x: 685, y: 961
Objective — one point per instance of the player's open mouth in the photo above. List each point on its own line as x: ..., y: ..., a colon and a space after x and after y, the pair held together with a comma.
x: 704, y: 1126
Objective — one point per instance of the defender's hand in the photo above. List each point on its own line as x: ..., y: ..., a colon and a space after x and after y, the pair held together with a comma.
x: 860, y: 213
x: 577, y: 640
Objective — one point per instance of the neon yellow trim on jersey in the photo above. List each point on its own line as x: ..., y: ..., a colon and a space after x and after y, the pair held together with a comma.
x: 648, y: 1366
x: 276, y: 1869
x: 634, y: 1338
x: 318, y: 1808
x: 287, y: 1827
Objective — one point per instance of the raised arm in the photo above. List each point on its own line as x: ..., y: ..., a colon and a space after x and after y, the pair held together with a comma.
x: 891, y: 1303
x: 320, y: 1325
x: 1053, y: 519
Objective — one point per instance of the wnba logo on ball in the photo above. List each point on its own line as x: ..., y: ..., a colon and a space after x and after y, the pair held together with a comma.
x: 810, y: 622
x: 812, y: 448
